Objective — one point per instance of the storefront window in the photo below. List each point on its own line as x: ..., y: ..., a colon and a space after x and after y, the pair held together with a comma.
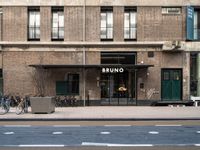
x: 118, y: 87
x: 193, y: 74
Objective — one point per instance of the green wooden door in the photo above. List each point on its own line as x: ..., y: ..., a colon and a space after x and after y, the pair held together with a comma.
x: 171, y: 84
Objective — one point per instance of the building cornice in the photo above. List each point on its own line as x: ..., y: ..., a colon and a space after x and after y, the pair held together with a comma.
x: 81, y: 44
x: 99, y: 2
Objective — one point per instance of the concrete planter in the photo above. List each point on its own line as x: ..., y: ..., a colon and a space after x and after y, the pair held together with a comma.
x: 42, y: 104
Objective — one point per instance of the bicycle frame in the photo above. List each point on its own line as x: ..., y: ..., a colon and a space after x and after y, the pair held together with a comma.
x: 22, y: 106
x: 5, y: 105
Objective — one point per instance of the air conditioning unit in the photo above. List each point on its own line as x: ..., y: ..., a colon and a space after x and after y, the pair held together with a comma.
x: 176, y: 44
x: 173, y: 46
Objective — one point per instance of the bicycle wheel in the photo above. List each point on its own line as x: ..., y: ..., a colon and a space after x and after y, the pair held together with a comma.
x: 3, y: 110
x: 19, y: 110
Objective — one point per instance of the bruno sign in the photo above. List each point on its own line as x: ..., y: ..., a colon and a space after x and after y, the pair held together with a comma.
x: 112, y: 70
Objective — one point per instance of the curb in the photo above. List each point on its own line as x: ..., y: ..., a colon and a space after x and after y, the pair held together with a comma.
x: 96, y: 119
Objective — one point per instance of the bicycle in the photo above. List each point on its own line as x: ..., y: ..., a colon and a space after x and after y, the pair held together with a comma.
x: 22, y: 106
x: 5, y: 105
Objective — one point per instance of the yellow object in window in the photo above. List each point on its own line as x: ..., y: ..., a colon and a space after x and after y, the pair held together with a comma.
x: 122, y: 89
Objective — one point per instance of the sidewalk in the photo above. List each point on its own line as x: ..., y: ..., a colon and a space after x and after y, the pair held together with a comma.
x: 110, y: 113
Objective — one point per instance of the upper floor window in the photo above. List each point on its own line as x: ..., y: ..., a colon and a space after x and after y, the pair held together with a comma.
x: 129, y: 23
x: 57, y: 23
x: 196, y: 24
x: 34, y: 23
x: 171, y: 10
x: 106, y: 23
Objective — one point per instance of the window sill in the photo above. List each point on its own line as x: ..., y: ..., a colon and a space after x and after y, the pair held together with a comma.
x: 107, y: 40
x: 33, y: 39
x: 129, y: 40
x: 57, y: 39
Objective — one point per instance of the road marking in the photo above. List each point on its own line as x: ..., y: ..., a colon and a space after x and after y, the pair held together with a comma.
x: 117, y: 125
x: 129, y: 145
x: 8, y: 133
x: 58, y: 126
x: 168, y: 125
x: 105, y: 133
x: 198, y: 132
x: 93, y: 144
x: 115, y: 145
x: 197, y: 145
x: 56, y: 133
x: 17, y: 126
x: 41, y: 145
x: 153, y: 132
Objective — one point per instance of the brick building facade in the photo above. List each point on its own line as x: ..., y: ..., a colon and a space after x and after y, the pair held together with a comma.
x: 76, y: 40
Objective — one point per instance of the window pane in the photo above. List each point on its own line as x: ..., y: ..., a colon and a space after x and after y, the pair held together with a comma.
x: 109, y: 19
x: 195, y: 25
x: 109, y: 33
x: 37, y: 33
x: 103, y: 33
x: 176, y: 75
x: 61, y: 33
x: 103, y: 20
x: 61, y: 20
x: 133, y: 33
x: 55, y: 20
x: 55, y: 33
x: 133, y: 19
x: 37, y: 17
x: 31, y: 19
x: 31, y: 32
x: 126, y: 33
x: 126, y: 20
x: 166, y: 76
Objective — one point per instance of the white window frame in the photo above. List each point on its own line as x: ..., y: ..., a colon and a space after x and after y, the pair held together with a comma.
x: 130, y: 24
x: 107, y: 25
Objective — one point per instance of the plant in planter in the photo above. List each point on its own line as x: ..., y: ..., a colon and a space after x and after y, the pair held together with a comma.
x: 41, y: 103
x: 40, y: 76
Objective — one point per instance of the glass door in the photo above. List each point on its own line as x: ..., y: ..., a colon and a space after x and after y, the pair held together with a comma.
x: 118, y: 89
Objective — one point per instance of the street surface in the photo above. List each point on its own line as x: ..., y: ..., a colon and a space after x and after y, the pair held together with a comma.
x: 100, y: 135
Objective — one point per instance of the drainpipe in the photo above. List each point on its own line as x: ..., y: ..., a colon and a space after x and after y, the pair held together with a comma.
x: 84, y: 55
x: 1, y: 29
x: 1, y: 48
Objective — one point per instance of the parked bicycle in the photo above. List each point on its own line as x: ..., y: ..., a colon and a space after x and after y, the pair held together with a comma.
x: 4, y: 105
x: 64, y: 101
x: 22, y: 107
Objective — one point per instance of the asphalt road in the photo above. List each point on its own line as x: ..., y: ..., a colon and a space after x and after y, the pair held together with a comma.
x: 107, y: 136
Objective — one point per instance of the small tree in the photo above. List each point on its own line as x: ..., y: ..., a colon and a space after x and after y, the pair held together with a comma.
x: 40, y: 76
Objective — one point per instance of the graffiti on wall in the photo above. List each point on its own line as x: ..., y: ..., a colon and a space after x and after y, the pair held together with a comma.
x: 151, y: 92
